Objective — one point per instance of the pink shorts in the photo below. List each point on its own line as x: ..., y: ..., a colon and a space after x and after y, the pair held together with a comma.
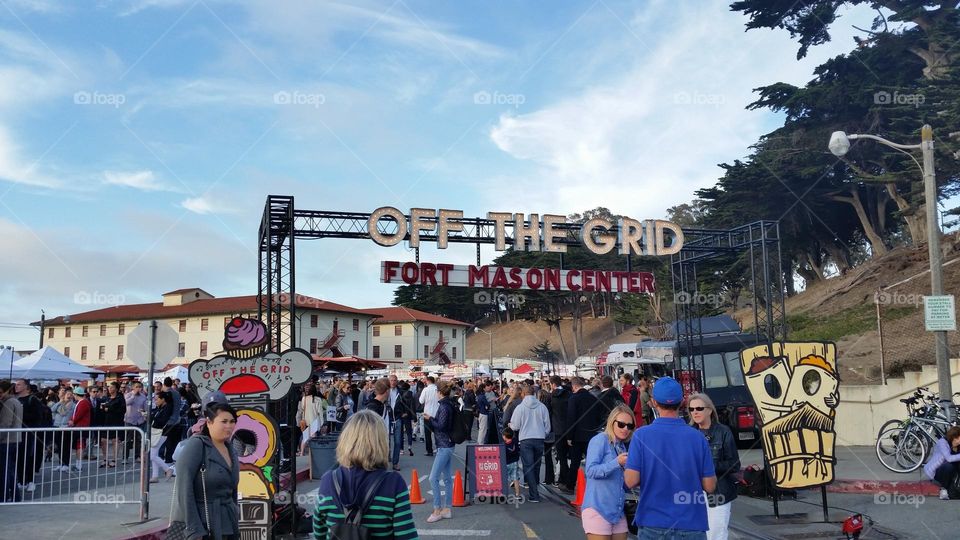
x: 593, y: 523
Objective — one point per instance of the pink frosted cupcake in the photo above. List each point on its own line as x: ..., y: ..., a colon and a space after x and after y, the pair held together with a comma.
x: 245, y: 338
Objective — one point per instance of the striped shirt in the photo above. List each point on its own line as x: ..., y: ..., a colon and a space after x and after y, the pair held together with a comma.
x: 389, y: 515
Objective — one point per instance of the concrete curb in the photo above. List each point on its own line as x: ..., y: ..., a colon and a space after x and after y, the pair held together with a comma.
x: 157, y: 532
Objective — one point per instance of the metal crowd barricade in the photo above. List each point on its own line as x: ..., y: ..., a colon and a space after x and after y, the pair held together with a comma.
x: 101, y: 465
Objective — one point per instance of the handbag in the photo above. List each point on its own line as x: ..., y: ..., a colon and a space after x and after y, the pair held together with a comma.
x: 177, y: 530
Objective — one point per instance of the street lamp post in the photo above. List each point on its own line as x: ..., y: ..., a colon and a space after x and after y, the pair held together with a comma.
x: 478, y: 329
x: 839, y: 145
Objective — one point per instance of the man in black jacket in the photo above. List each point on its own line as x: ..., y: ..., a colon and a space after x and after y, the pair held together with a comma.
x: 609, y: 397
x: 583, y: 422
x: 558, y: 424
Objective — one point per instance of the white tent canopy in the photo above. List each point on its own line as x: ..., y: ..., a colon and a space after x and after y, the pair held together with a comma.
x: 178, y: 371
x: 6, y: 359
x: 48, y: 363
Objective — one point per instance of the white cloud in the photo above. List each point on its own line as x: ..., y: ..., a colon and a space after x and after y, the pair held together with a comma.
x: 144, y: 180
x: 14, y: 168
x: 204, y: 205
x: 648, y: 139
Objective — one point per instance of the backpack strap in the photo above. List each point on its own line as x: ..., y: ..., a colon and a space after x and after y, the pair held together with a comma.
x: 356, y: 511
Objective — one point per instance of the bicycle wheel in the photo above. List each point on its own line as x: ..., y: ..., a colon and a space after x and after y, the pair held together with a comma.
x: 903, y: 450
x: 888, y: 449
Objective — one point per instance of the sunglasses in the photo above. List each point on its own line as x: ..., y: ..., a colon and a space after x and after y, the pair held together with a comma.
x: 698, y: 409
x: 623, y: 425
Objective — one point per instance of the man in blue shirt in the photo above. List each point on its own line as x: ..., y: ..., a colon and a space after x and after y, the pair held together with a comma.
x: 673, y: 466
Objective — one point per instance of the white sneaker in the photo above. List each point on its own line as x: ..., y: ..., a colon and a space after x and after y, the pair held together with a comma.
x: 77, y: 467
x: 31, y: 487
x: 944, y: 495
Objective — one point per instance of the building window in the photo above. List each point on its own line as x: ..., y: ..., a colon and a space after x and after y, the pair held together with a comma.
x: 122, y: 329
x: 426, y: 351
x: 356, y: 325
x: 356, y: 348
x: 454, y: 333
x: 83, y: 352
x: 376, y: 351
x: 313, y: 345
x: 376, y: 331
x: 84, y: 333
x: 66, y: 332
x: 314, y: 321
x: 66, y: 352
x: 397, y: 330
x: 119, y: 352
x: 102, y: 353
x: 397, y: 351
x: 454, y: 353
x: 103, y: 330
x: 50, y: 332
x: 426, y: 330
x: 183, y: 325
x: 182, y: 349
x: 203, y: 348
x: 204, y: 325
x: 441, y: 335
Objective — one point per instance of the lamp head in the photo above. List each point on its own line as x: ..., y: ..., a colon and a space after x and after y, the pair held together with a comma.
x: 839, y: 143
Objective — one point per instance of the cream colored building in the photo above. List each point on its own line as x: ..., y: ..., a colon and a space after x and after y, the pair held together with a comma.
x: 405, y: 334
x: 98, y: 338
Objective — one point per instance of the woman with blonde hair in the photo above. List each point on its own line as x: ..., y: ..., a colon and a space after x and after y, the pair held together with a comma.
x: 726, y: 460
x: 602, y: 510
x: 516, y: 396
x: 362, y: 486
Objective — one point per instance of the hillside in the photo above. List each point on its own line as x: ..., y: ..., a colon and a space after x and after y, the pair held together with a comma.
x: 841, y: 309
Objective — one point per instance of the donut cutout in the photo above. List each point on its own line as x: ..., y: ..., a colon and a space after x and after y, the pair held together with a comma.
x: 265, y: 433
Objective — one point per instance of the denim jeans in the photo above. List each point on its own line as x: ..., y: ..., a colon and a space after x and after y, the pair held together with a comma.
x: 654, y: 533
x: 442, y: 465
x: 396, y: 441
x: 531, y: 454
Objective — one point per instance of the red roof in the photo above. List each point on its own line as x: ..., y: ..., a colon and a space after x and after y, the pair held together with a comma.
x: 231, y: 305
x: 405, y: 314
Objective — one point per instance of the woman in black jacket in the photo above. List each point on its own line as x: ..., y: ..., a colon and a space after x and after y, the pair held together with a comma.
x: 114, y: 408
x: 163, y: 408
x: 442, y: 426
x: 726, y: 461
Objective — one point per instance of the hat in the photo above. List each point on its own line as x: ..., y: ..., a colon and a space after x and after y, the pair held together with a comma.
x: 78, y: 390
x: 667, y: 391
x: 214, y: 397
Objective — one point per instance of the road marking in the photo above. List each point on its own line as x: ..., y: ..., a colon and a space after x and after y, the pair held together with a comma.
x: 452, y: 532
x: 529, y: 531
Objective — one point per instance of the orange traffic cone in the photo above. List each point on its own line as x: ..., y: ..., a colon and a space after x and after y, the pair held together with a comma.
x: 415, y: 496
x: 581, y: 487
x: 458, y: 491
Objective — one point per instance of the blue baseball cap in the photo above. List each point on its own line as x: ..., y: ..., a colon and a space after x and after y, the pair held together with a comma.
x: 667, y: 391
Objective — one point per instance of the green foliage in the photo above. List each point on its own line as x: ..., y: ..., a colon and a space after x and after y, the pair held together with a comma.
x: 844, y: 323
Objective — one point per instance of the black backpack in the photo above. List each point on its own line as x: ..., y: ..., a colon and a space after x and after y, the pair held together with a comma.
x: 462, y: 422
x: 350, y: 528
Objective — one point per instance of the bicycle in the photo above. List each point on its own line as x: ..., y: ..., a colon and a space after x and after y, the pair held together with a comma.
x: 903, y: 446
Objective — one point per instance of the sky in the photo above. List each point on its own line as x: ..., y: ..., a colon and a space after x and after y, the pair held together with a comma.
x: 139, y: 139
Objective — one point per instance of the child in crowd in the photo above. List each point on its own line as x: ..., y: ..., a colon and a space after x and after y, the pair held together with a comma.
x: 513, y: 459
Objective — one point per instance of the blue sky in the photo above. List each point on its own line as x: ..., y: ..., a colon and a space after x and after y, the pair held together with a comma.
x: 139, y: 139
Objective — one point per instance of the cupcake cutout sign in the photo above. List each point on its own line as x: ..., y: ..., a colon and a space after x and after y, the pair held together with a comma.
x: 251, y: 377
x: 796, y: 388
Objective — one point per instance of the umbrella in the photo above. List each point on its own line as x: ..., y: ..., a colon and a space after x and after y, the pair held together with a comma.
x: 522, y: 369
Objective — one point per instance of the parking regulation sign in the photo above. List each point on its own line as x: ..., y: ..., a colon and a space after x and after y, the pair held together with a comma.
x: 939, y: 313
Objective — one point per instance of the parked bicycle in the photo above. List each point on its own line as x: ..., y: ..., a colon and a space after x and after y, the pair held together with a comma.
x: 904, y: 445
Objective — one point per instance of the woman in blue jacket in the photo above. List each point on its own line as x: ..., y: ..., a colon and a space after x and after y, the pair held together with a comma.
x: 602, y: 510
x: 442, y: 426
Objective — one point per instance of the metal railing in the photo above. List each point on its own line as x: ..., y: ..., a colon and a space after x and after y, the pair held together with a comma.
x: 101, y: 465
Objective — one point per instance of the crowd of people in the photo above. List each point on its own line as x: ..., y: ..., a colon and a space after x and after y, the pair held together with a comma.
x: 98, y: 407
x: 562, y: 424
